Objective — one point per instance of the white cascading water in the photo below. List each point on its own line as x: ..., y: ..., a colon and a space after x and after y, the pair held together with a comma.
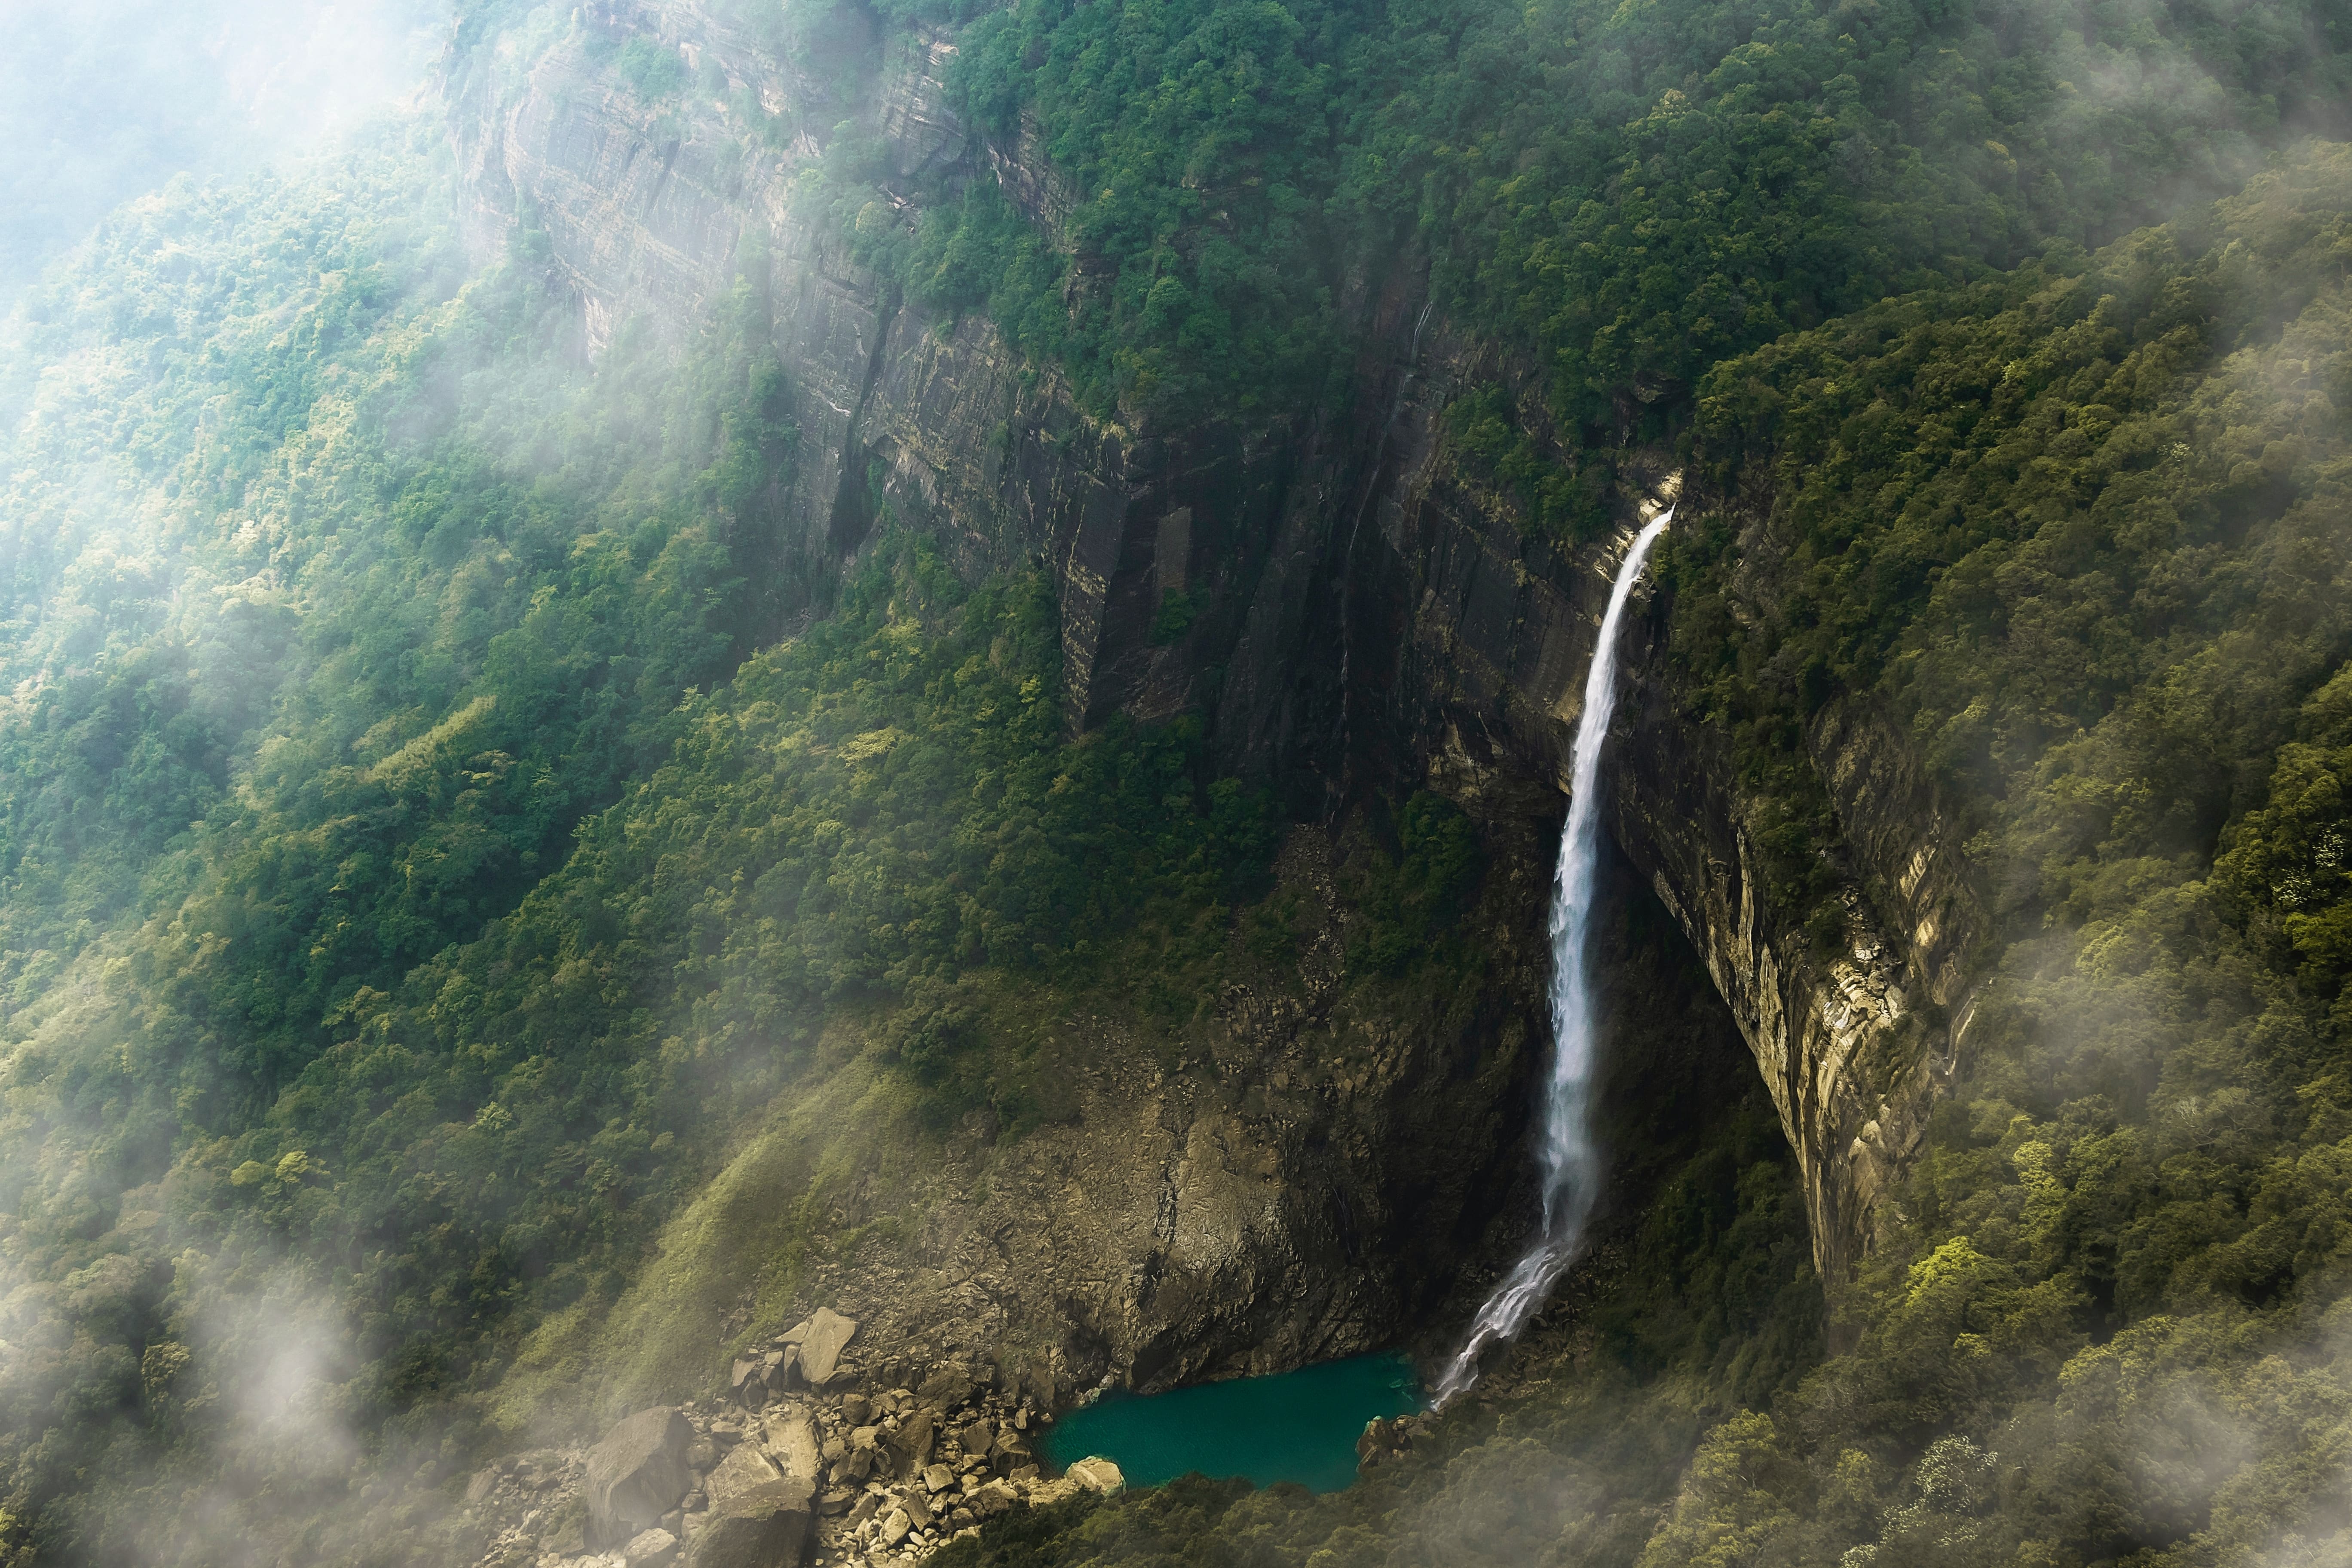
x: 1571, y: 1167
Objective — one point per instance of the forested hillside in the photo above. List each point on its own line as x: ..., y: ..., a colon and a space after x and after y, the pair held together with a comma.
x: 1628, y: 194
x: 2088, y: 528
x: 391, y: 894
x: 442, y: 827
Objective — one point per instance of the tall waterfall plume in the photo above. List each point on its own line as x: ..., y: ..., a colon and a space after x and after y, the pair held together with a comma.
x: 1571, y: 1167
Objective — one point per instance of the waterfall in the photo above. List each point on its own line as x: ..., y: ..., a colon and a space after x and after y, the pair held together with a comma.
x: 1571, y: 1167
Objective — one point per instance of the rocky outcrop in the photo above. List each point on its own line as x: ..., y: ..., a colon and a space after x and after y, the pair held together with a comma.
x: 1475, y: 639
x: 820, y: 1340
x: 760, y: 1501
x: 637, y: 1474
x: 656, y: 210
x: 1373, y: 619
x: 1303, y: 1181
x: 773, y: 1481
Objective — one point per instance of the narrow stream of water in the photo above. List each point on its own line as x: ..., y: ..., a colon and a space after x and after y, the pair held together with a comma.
x: 1297, y: 1425
x: 1570, y: 1165
x: 1302, y: 1426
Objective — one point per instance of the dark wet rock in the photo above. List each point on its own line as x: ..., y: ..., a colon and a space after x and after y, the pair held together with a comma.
x: 946, y: 1389
x: 912, y: 1442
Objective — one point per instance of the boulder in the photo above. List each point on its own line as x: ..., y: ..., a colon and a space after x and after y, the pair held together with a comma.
x: 1097, y: 1474
x: 855, y: 1409
x: 895, y: 1528
x: 821, y: 1340
x: 946, y: 1388
x: 912, y: 1442
x: 759, y: 1515
x: 937, y: 1478
x: 654, y: 1548
x: 636, y: 1474
x: 486, y: 1481
x: 918, y: 1508
x: 792, y: 1441
x: 1046, y: 1493
x: 976, y: 1439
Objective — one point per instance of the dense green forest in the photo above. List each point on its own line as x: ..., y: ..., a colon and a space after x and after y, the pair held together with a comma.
x: 2087, y: 526
x: 1627, y: 194
x: 401, y: 858
x: 438, y: 822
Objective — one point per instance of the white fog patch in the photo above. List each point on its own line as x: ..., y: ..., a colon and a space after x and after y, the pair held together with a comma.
x: 102, y: 101
x: 276, y: 1362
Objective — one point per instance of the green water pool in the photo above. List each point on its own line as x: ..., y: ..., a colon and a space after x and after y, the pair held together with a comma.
x: 1297, y: 1425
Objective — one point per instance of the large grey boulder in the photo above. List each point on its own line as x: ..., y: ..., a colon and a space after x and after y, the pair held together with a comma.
x: 1097, y: 1474
x: 637, y: 1474
x: 759, y: 1515
x: 947, y: 1388
x: 1010, y: 1453
x: 792, y: 1442
x: 654, y: 1548
x: 820, y: 1340
x: 912, y: 1442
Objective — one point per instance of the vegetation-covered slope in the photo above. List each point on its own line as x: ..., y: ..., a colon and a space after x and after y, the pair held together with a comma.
x: 2087, y: 527
x: 1626, y: 194
x: 393, y: 899
x: 429, y: 832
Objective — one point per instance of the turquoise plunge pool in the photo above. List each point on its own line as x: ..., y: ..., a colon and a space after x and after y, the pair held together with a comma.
x: 1291, y: 1426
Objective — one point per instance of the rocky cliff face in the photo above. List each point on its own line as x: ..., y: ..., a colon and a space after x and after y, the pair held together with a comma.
x: 658, y: 209
x: 1473, y: 641
x: 1374, y: 620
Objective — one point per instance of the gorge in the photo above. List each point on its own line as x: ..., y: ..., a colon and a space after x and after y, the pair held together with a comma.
x: 1468, y: 637
x: 786, y: 736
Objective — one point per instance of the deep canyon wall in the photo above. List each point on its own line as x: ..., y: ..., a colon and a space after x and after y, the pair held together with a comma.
x: 1373, y: 619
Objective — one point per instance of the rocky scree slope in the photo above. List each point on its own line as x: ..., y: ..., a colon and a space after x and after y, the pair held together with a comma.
x: 792, y: 1462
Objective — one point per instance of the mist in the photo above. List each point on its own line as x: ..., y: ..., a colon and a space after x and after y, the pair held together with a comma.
x: 539, y: 844
x: 102, y: 101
